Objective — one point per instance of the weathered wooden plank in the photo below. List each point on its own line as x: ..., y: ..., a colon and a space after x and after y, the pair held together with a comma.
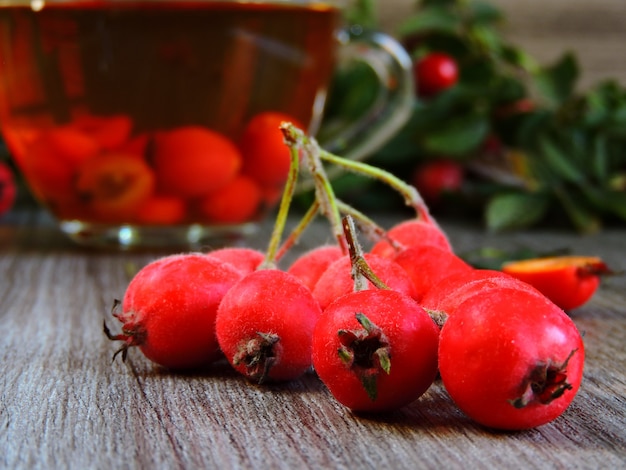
x: 65, y: 405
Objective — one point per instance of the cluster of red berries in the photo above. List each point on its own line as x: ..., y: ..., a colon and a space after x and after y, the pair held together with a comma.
x: 101, y: 169
x: 376, y: 327
x: 434, y: 73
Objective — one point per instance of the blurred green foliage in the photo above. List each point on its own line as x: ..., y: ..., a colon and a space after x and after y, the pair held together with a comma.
x: 538, y: 151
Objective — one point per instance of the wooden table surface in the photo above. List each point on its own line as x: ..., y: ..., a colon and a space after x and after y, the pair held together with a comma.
x: 66, y: 405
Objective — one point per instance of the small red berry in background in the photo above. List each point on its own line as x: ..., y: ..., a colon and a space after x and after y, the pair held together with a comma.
x: 434, y: 73
x: 8, y: 188
x: 115, y: 186
x: 237, y: 202
x: 194, y: 161
x: 266, y: 157
x: 521, y: 106
x: 433, y: 179
x: 162, y: 210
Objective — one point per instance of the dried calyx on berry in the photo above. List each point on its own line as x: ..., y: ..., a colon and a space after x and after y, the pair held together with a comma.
x: 366, y: 352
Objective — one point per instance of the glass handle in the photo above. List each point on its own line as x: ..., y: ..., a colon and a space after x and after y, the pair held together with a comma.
x: 390, y: 102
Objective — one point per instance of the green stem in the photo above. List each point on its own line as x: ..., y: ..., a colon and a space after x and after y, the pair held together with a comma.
x: 295, y: 234
x: 371, y: 229
x: 285, y: 202
x: 324, y: 193
x: 412, y: 197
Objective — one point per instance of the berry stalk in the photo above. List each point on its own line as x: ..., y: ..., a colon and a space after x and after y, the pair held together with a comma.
x: 298, y: 230
x: 411, y: 196
x: 361, y: 271
x: 285, y: 202
x: 324, y: 192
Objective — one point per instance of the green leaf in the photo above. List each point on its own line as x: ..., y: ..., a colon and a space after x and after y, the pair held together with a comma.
x: 507, y: 89
x: 616, y: 126
x: 458, y: 136
x: 558, y: 81
x: 560, y: 163
x: 616, y: 203
x: 485, y: 13
x: 518, y: 58
x: 362, y: 12
x: 486, y: 38
x: 512, y: 211
x: 531, y: 125
x: 582, y: 218
x: 432, y: 19
x: 613, y: 202
x: 600, y: 159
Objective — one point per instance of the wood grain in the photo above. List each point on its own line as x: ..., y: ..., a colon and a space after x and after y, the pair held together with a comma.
x: 594, y: 30
x: 66, y: 405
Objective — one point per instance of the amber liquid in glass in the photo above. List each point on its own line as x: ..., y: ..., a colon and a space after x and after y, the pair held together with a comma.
x: 121, y: 72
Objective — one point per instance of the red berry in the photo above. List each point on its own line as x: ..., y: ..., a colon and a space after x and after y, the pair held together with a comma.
x: 8, y: 188
x: 109, y: 133
x: 337, y: 280
x: 52, y: 160
x: 446, y: 294
x: 115, y: 186
x: 169, y: 310
x: 510, y: 359
x: 194, y: 161
x: 245, y: 260
x: 429, y: 264
x: 162, y: 210
x: 312, y: 264
x: 237, y: 202
x: 454, y: 298
x: 569, y: 281
x: 266, y: 156
x: 434, y: 179
x: 521, y: 106
x: 264, y: 326
x: 413, y: 232
x: 376, y: 350
x: 434, y: 73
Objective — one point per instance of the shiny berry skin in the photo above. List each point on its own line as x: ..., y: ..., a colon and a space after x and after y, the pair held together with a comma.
x: 376, y: 350
x: 510, y: 359
x: 410, y: 233
x: 310, y: 266
x: 429, y: 264
x: 264, y: 326
x: 169, y: 310
x: 244, y: 259
x: 337, y: 279
x: 434, y: 73
x: 266, y: 157
x: 449, y: 292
